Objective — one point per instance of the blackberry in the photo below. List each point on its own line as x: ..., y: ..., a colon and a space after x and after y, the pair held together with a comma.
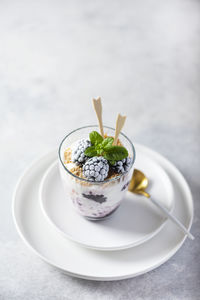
x: 122, y: 166
x: 97, y: 198
x: 96, y: 168
x: 78, y: 155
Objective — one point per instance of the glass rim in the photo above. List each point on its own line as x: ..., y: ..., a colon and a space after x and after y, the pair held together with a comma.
x: 86, y: 180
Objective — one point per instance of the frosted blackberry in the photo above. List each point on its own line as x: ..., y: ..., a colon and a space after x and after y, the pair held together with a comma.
x: 78, y: 155
x: 122, y: 166
x: 96, y: 168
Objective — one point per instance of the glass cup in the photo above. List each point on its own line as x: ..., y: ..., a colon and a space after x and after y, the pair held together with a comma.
x: 94, y: 200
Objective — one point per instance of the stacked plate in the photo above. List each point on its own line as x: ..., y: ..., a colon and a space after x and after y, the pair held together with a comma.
x: 135, y: 239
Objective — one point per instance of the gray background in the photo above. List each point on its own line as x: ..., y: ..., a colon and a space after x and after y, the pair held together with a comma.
x: 142, y: 57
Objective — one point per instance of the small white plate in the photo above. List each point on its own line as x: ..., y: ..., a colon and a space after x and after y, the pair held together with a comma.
x: 69, y: 257
x: 134, y: 222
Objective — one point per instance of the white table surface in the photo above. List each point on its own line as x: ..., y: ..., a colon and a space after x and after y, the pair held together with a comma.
x: 142, y: 57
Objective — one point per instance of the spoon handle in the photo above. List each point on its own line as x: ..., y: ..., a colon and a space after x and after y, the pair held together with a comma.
x: 173, y: 218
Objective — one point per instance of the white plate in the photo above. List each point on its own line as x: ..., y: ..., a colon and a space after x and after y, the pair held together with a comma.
x: 126, y: 227
x: 78, y: 261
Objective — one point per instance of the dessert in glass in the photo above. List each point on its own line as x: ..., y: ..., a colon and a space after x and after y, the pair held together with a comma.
x: 96, y: 168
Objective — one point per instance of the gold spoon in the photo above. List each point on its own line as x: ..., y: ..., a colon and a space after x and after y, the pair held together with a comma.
x: 138, y: 184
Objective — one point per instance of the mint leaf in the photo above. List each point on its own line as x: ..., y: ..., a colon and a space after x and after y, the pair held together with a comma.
x: 95, y: 138
x: 115, y: 153
x: 103, y: 147
x: 107, y: 142
x: 100, y: 152
x: 99, y: 149
x: 90, y: 151
x: 112, y: 162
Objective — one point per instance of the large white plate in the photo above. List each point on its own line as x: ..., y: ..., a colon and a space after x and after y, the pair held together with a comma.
x: 78, y: 261
x: 135, y: 221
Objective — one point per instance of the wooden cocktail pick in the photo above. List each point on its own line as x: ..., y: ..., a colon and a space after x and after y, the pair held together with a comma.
x: 98, y: 109
x: 119, y: 125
